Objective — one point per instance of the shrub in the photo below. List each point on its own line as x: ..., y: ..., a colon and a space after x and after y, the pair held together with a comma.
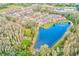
x: 24, y: 48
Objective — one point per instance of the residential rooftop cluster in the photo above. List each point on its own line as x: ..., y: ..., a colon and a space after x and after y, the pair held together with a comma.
x: 29, y: 14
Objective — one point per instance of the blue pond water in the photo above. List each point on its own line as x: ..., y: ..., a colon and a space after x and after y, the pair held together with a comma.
x: 51, y: 34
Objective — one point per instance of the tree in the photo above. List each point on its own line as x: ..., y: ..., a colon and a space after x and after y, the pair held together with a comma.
x: 72, y: 42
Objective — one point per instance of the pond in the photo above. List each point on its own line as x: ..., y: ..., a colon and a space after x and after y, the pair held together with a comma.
x: 51, y: 35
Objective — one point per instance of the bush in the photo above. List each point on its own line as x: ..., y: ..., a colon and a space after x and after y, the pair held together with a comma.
x: 27, y: 32
x: 24, y: 48
x: 25, y: 42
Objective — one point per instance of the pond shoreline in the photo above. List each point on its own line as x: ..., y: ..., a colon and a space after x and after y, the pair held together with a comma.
x: 62, y: 37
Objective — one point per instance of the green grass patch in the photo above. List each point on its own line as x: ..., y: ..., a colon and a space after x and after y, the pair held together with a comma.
x: 47, y: 25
